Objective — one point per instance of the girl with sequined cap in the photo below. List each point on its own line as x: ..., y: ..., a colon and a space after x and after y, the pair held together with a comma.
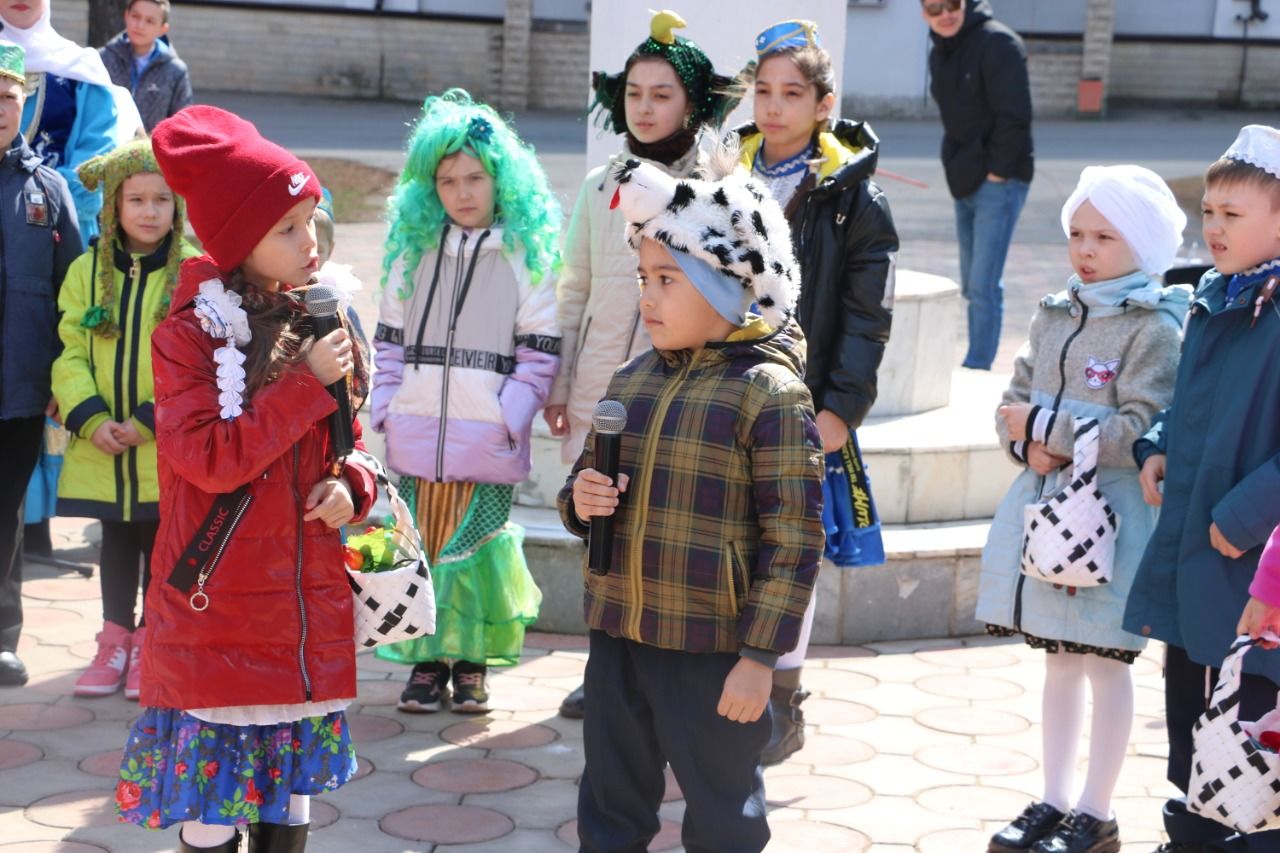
x: 467, y: 346
x: 665, y: 94
x: 114, y: 297
x: 820, y: 170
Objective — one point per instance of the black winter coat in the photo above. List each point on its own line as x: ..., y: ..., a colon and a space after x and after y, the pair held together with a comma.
x: 979, y: 79
x: 845, y: 242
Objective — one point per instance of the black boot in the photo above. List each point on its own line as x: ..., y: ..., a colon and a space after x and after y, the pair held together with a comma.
x: 230, y: 846
x: 278, y: 837
x: 788, y: 720
x: 1081, y: 833
x: 574, y: 705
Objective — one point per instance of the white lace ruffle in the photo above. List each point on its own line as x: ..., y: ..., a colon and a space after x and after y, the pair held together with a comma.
x: 342, y: 279
x: 221, y: 316
x: 267, y: 715
x: 1259, y: 146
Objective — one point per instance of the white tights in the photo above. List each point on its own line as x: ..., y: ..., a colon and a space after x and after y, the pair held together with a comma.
x: 1111, y: 684
x: 794, y: 659
x: 199, y: 834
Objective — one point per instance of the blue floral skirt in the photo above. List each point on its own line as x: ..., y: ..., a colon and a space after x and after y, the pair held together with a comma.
x: 176, y: 767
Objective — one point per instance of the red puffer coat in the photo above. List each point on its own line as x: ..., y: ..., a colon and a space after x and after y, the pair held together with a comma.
x: 278, y: 626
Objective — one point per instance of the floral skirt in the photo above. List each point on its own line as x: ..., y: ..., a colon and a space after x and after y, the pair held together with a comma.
x: 485, y: 595
x: 176, y: 768
x: 1055, y: 646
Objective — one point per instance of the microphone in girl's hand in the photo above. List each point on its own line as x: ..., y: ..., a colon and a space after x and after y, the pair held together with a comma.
x: 608, y: 420
x: 322, y: 304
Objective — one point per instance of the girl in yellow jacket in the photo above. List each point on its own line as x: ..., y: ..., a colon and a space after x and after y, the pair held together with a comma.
x: 113, y: 298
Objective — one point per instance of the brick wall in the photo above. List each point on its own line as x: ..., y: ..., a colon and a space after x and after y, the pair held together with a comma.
x: 365, y: 56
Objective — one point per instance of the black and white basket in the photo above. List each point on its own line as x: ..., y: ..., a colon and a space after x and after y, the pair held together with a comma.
x: 400, y: 603
x: 1234, y: 779
x: 1069, y: 538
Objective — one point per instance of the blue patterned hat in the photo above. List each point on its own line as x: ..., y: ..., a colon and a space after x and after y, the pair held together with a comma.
x: 786, y: 35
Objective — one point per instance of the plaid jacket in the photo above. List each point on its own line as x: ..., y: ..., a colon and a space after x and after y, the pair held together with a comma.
x: 718, y: 539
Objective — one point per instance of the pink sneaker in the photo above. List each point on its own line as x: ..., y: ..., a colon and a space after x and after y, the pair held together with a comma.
x: 133, y: 681
x: 105, y: 675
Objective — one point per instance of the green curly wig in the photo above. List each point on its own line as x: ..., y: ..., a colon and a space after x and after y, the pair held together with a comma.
x: 529, y: 213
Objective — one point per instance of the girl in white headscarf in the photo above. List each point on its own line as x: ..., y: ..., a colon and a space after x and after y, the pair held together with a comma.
x: 73, y: 112
x: 1106, y: 349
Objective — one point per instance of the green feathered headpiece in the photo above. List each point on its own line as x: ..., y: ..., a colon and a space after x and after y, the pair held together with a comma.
x: 708, y: 91
x: 109, y: 171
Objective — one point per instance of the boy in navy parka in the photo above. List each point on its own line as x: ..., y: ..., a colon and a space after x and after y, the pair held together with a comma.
x: 39, y: 238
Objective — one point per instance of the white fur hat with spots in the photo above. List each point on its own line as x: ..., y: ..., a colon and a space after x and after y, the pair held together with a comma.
x: 731, y: 226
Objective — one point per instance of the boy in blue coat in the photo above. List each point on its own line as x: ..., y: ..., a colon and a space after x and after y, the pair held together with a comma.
x: 39, y: 239
x: 1217, y: 450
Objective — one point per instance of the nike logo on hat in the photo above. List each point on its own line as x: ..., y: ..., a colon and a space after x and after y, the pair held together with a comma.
x: 297, y: 182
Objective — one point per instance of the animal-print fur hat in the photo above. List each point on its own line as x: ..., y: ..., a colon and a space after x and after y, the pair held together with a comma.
x: 726, y: 224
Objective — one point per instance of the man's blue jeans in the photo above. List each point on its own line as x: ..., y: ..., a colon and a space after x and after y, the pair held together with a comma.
x: 984, y: 225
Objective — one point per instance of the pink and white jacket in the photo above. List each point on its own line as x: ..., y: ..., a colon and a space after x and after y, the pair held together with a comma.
x: 1266, y: 579
x: 464, y: 362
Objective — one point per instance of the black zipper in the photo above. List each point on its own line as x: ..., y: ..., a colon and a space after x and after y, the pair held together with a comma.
x: 431, y: 293
x: 297, y: 582
x: 586, y: 332
x: 461, y: 285
x: 207, y: 572
x: 1057, y: 401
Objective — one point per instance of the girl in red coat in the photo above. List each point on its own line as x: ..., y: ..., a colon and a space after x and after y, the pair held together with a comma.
x: 249, y: 658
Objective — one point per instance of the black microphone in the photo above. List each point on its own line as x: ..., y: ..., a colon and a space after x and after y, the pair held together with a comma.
x: 609, y: 420
x: 322, y: 304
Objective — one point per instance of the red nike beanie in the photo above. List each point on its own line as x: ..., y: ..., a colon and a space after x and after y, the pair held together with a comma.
x: 236, y: 183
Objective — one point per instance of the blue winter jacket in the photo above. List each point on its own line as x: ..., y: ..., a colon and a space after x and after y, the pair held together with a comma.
x: 1222, y: 439
x: 34, y: 257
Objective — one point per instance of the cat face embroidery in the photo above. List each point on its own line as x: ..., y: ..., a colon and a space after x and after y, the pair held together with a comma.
x: 1099, y: 373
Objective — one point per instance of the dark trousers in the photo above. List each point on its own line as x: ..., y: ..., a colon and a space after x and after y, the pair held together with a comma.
x: 1184, y: 701
x: 19, y: 450
x: 648, y: 707
x: 124, y: 545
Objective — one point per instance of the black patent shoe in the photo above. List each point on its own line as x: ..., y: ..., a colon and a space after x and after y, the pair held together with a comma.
x: 574, y: 706
x: 1036, y: 821
x: 12, y: 671
x: 1081, y: 833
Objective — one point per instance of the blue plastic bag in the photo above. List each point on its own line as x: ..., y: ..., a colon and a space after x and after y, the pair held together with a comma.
x: 849, y: 511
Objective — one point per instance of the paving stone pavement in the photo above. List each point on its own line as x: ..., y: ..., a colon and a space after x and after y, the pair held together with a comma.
x: 927, y: 746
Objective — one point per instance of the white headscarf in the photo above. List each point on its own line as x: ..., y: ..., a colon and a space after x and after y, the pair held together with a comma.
x: 1138, y: 204
x: 50, y: 53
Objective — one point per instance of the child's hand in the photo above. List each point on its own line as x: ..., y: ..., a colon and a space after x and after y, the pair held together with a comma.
x: 557, y: 418
x: 746, y: 691
x: 128, y: 435
x: 595, y: 494
x: 330, y: 357
x: 1040, y: 460
x: 1015, y: 420
x: 834, y: 431
x: 1150, y: 477
x: 51, y: 410
x: 1220, y: 543
x: 106, y: 438
x: 1259, y: 618
x: 330, y: 501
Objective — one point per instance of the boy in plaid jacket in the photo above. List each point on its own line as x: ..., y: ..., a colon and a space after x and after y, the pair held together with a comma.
x: 717, y: 519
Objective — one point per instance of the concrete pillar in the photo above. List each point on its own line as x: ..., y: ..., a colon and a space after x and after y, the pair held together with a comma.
x: 1095, y: 71
x: 517, y: 31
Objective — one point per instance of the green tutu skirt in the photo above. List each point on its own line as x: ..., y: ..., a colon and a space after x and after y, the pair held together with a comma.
x: 485, y: 595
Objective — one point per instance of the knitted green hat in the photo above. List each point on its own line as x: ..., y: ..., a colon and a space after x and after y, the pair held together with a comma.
x: 109, y: 171
x: 707, y: 90
x: 12, y: 62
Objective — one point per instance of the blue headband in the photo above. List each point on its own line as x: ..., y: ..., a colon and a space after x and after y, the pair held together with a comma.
x: 724, y: 293
x: 786, y: 34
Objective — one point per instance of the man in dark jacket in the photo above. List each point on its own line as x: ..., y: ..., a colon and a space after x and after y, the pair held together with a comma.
x: 141, y: 60
x: 978, y: 70
x: 39, y: 238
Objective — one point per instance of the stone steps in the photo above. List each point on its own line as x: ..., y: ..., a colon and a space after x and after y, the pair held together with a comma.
x: 942, y: 465
x: 927, y: 587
